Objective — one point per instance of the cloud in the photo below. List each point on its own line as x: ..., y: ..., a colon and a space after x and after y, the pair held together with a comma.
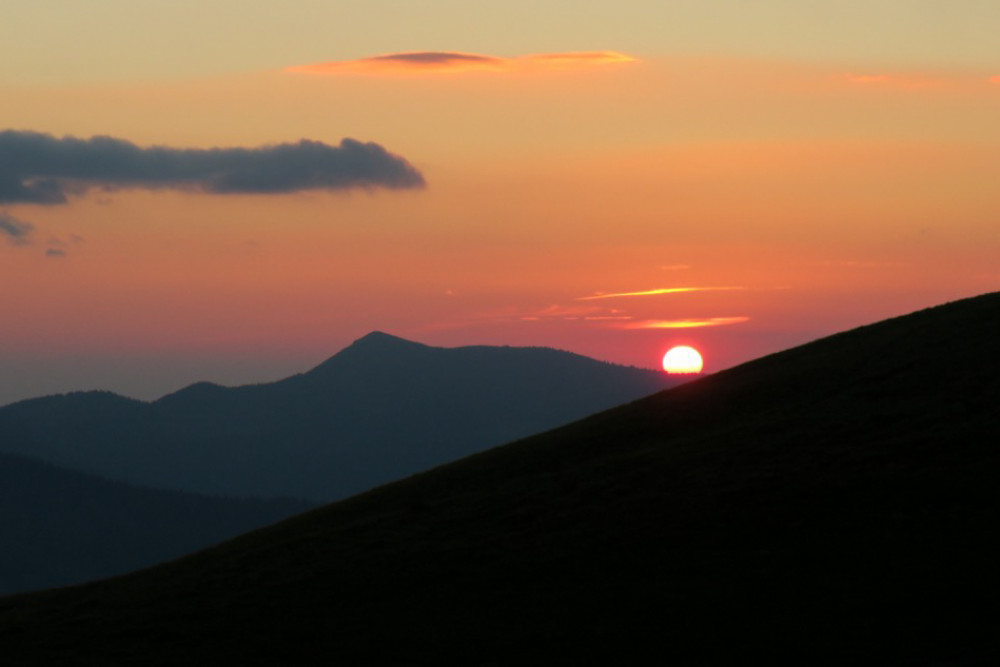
x: 16, y: 231
x: 39, y: 168
x: 55, y: 252
x: 685, y: 323
x: 453, y: 62
x: 655, y: 292
x: 576, y: 59
x: 918, y: 80
x: 904, y: 81
x: 861, y: 264
x: 73, y: 239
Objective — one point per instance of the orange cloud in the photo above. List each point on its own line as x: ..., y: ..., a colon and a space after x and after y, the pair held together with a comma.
x: 656, y: 292
x: 685, y: 323
x: 574, y: 59
x: 567, y: 311
x: 995, y: 79
x: 901, y: 80
x: 453, y: 62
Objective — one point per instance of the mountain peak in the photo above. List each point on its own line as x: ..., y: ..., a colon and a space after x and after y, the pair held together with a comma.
x: 380, y: 341
x: 380, y: 338
x: 375, y: 345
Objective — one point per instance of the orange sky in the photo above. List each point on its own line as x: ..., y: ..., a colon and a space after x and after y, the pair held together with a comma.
x: 801, y: 199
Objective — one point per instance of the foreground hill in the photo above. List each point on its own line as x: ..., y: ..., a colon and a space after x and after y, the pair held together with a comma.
x: 59, y: 527
x: 833, y: 504
x: 379, y: 410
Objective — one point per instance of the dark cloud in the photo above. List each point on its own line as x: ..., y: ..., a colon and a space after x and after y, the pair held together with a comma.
x: 41, y: 169
x: 435, y: 57
x: 16, y: 231
x: 57, y: 242
x: 453, y: 62
x: 55, y: 252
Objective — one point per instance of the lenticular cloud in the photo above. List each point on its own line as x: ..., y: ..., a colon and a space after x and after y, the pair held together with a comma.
x: 454, y: 62
x: 42, y: 169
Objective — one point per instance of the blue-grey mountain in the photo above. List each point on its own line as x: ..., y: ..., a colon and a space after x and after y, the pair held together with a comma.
x: 60, y: 527
x: 381, y: 409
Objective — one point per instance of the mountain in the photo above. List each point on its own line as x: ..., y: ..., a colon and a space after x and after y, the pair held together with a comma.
x: 60, y: 527
x: 379, y: 410
x: 836, y: 503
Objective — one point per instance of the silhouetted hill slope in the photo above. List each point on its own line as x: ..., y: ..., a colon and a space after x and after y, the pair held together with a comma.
x: 381, y: 409
x: 59, y: 527
x: 833, y: 504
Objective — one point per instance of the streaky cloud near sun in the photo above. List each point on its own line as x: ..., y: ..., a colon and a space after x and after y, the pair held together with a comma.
x: 38, y: 168
x: 454, y: 62
x: 659, y: 291
x: 689, y: 323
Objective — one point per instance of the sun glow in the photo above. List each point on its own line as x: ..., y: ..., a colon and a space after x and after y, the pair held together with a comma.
x: 682, y: 360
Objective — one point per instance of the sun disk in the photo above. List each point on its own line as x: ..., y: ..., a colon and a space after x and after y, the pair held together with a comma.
x: 682, y: 359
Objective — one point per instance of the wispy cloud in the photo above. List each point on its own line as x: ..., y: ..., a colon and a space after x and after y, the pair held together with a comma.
x: 574, y: 59
x: 655, y: 292
x: 913, y: 80
x: 454, y: 62
x: 568, y: 311
x: 55, y: 252
x: 39, y: 168
x: 685, y: 323
x: 604, y: 316
x: 860, y: 264
x: 551, y: 313
x: 17, y: 232
x: 565, y: 313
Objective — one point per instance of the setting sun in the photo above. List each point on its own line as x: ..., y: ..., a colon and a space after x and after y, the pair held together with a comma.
x: 682, y: 359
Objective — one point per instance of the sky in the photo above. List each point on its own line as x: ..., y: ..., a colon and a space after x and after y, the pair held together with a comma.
x: 233, y: 191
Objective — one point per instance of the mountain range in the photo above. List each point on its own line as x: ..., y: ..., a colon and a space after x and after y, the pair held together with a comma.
x: 380, y: 409
x: 836, y: 503
x: 77, y: 496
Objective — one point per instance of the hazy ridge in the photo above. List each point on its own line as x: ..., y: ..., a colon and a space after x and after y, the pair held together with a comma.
x: 380, y: 409
x: 61, y: 527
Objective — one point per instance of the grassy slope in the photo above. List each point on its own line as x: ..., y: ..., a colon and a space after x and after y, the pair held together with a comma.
x: 836, y: 503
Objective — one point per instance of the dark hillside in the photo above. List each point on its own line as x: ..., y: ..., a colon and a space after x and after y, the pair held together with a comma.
x: 379, y: 410
x: 833, y: 504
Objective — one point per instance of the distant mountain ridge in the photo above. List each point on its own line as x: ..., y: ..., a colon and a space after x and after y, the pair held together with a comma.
x: 380, y: 409
x: 60, y: 527
x: 833, y: 504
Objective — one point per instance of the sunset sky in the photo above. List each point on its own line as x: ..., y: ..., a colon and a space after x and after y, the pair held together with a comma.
x: 610, y: 178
